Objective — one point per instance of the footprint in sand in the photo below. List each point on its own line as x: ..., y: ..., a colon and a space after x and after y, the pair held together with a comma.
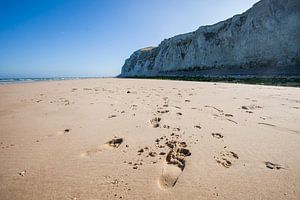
x: 162, y: 111
x: 224, y: 162
x: 66, y: 131
x: 250, y: 107
x: 112, y: 116
x: 226, y: 158
x: 155, y: 122
x: 175, y: 164
x: 273, y: 165
x: 217, y: 135
x: 197, y: 126
x: 169, y: 176
x: 114, y: 143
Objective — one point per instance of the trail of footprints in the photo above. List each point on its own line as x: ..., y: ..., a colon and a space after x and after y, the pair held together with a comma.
x: 225, y: 158
x: 175, y: 158
x: 171, y: 149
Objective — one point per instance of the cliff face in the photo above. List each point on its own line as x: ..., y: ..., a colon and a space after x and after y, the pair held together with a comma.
x: 266, y: 36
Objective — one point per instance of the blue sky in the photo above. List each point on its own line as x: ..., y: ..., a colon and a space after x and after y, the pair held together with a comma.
x: 65, y: 38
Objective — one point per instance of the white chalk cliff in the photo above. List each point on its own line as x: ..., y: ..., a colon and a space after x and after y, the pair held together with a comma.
x: 265, y: 38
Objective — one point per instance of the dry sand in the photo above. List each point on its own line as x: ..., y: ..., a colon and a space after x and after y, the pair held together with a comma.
x: 177, y: 140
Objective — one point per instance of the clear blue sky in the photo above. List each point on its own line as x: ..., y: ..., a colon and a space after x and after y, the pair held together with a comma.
x: 47, y: 38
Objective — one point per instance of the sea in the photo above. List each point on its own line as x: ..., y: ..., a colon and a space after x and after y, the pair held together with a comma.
x: 28, y: 80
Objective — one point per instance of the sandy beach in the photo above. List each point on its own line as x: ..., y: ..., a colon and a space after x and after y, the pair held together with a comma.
x: 148, y: 139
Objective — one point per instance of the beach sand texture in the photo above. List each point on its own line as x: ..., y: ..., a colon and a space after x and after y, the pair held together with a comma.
x: 148, y: 139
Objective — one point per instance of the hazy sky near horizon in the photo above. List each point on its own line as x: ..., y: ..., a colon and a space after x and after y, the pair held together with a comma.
x: 50, y: 38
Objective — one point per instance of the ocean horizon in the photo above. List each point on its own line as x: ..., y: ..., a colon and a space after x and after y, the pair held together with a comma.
x: 36, y: 79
